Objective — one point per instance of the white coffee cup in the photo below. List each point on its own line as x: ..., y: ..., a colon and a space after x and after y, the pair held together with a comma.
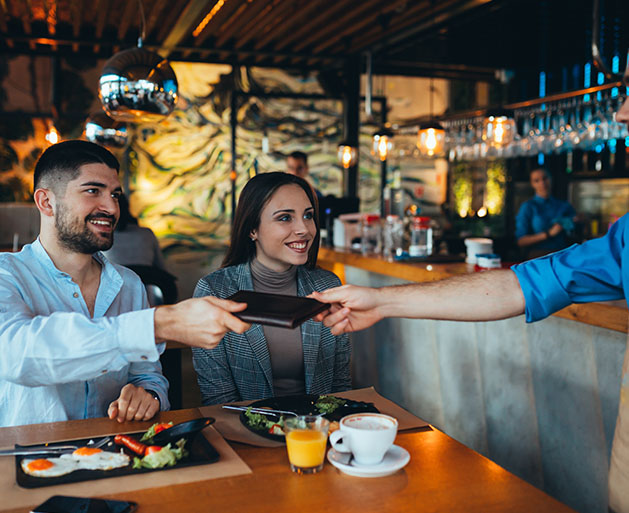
x: 368, y: 436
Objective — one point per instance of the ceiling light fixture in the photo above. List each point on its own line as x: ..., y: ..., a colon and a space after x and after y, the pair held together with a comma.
x: 382, y: 144
x: 52, y: 135
x: 347, y: 155
x: 431, y: 135
x: 137, y: 85
x: 101, y: 129
x: 498, y: 129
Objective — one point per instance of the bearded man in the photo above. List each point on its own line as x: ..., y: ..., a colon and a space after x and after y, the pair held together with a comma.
x: 77, y: 336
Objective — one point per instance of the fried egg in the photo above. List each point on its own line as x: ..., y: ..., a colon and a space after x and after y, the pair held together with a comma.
x: 49, y: 467
x: 90, y: 458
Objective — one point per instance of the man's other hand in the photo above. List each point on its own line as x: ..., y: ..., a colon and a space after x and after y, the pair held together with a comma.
x: 134, y: 403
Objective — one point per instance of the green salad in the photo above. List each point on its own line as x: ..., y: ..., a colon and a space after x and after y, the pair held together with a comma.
x: 324, y: 405
x: 327, y: 404
x: 167, y: 456
x: 262, y: 423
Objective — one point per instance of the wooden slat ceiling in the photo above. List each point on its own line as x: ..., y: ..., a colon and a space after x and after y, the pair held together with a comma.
x: 430, y: 37
x: 286, y: 33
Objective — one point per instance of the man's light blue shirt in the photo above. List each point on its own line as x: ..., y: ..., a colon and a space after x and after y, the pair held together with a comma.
x: 539, y: 214
x: 58, y: 363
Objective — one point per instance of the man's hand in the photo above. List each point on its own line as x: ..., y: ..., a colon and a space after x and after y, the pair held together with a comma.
x: 555, y: 230
x: 199, y: 322
x: 353, y: 308
x: 134, y: 403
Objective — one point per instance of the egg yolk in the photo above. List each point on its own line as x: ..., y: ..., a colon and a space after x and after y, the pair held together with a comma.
x: 40, y: 464
x: 86, y: 451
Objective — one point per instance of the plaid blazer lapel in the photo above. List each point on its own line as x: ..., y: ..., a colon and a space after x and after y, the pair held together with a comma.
x: 255, y: 335
x: 310, y: 330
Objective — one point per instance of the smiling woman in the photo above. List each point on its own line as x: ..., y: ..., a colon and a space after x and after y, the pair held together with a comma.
x: 274, y: 246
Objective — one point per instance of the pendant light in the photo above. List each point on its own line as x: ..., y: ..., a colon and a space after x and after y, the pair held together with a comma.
x: 101, y: 129
x: 137, y: 85
x: 382, y: 144
x: 52, y: 135
x: 498, y: 129
x: 347, y: 155
x: 431, y: 135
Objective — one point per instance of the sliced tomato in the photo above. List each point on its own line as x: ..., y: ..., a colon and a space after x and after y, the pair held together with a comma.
x: 276, y: 429
x: 152, y: 449
x: 161, y: 427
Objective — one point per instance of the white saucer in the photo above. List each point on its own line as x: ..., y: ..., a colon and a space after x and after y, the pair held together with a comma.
x: 394, y: 459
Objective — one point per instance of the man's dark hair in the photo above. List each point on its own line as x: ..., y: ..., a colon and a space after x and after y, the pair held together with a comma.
x: 299, y: 155
x: 254, y: 196
x: 61, y: 163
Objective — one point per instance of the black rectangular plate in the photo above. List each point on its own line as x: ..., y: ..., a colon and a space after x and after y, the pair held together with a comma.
x: 201, y: 452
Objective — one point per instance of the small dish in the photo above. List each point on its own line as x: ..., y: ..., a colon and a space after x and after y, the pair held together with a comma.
x: 187, y: 430
x: 394, y: 459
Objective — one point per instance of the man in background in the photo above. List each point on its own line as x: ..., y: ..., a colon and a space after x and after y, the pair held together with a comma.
x: 542, y: 222
x: 297, y: 164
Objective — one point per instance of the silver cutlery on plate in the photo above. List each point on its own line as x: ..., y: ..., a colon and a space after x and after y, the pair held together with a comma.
x: 263, y: 411
x: 52, y: 449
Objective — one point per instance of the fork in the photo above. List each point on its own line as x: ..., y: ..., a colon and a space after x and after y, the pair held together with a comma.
x: 263, y: 411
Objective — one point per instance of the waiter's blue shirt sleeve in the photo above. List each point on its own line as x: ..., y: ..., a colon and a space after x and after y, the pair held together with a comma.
x: 582, y: 273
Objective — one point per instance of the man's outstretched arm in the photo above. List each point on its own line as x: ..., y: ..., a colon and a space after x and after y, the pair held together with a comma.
x: 482, y: 296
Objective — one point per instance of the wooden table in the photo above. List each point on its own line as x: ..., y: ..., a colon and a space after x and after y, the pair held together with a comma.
x: 442, y: 476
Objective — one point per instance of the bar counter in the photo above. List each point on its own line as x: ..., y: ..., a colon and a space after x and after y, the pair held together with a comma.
x: 539, y: 399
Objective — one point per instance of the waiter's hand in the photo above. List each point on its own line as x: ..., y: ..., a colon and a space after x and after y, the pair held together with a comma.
x: 134, y: 403
x: 353, y: 308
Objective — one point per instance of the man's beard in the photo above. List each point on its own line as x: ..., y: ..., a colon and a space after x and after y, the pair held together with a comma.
x: 76, y: 236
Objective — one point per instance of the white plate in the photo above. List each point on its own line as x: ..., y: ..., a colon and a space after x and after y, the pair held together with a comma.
x: 394, y: 459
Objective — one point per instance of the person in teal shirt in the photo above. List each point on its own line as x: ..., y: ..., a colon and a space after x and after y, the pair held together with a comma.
x: 542, y: 222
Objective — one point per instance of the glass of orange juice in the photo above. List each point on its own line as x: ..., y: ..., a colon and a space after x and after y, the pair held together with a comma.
x: 306, y: 440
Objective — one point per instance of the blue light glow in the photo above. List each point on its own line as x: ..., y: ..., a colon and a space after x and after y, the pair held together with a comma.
x: 615, y: 64
x: 542, y: 84
x: 611, y: 144
x: 599, y: 147
x: 587, y: 79
x: 540, y: 159
x: 614, y: 92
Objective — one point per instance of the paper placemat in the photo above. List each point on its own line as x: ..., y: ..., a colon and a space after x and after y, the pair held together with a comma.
x: 230, y: 464
x: 229, y: 425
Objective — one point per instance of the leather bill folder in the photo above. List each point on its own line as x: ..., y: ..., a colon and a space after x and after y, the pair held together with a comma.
x: 276, y: 309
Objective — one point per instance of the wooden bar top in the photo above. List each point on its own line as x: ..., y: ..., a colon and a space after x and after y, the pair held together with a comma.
x: 442, y: 476
x: 596, y: 314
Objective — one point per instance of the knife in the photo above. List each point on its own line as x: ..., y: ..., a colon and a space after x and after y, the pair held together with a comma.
x: 26, y: 451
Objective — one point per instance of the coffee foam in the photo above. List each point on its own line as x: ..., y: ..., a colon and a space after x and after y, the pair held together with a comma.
x: 369, y: 423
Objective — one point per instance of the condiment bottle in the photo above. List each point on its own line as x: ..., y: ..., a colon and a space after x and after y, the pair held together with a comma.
x: 421, y: 237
